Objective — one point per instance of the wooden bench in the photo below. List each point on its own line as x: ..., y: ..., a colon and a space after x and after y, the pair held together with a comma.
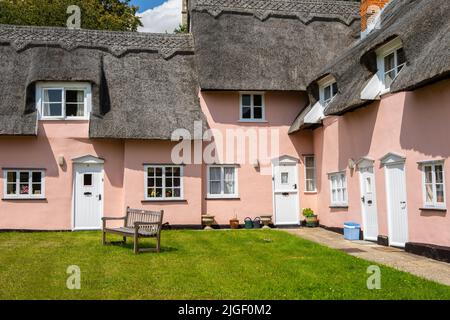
x: 137, y: 224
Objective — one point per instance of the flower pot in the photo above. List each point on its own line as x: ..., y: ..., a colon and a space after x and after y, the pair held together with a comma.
x: 234, y: 223
x: 312, y: 221
x: 266, y: 220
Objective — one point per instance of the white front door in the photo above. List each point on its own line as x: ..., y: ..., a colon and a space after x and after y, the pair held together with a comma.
x: 285, y: 189
x: 369, y: 203
x: 88, y: 196
x: 397, y: 206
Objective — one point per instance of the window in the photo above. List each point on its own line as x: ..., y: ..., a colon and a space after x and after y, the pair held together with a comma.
x: 433, y: 185
x: 252, y: 107
x: 63, y: 100
x: 391, y: 60
x: 163, y: 182
x: 23, y: 184
x: 338, y: 187
x: 87, y: 179
x: 327, y: 92
x: 222, y: 182
x: 310, y: 174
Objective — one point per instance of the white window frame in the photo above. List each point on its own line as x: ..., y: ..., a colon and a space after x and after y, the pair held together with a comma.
x: 338, y: 203
x: 434, y: 204
x: 241, y: 107
x: 30, y: 183
x: 328, y: 81
x: 222, y: 182
x: 163, y: 187
x: 391, y: 47
x: 84, y: 86
x: 314, y: 177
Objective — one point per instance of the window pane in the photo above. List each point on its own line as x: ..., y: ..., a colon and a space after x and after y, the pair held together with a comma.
x: 37, y: 189
x: 11, y: 176
x: 176, y: 182
x: 24, y: 176
x: 229, y: 187
x: 257, y: 113
x: 24, y: 189
x: 159, y: 182
x: 74, y: 96
x: 87, y: 179
x: 151, y: 171
x: 158, y: 172
x: 169, y: 182
x: 177, y: 193
x: 214, y: 173
x: 440, y: 193
x: 401, y: 58
x: 246, y: 100
x: 151, y: 182
x: 389, y: 78
x: 257, y: 100
x: 228, y: 174
x: 310, y: 185
x: 169, y: 193
x: 214, y: 187
x: 429, y: 192
x: 334, y: 89
x: 151, y: 193
x: 74, y: 110
x: 246, y: 113
x: 169, y: 171
x: 176, y: 171
x: 428, y: 174
x: 310, y: 174
x: 327, y: 93
x: 11, y: 188
x: 284, y: 178
x: 309, y: 162
x: 36, y: 177
x: 389, y: 62
x: 439, y: 175
x: 52, y: 109
x: 158, y: 192
x: 53, y: 95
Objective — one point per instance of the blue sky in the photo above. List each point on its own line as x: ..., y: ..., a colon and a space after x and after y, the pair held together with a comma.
x: 146, y: 4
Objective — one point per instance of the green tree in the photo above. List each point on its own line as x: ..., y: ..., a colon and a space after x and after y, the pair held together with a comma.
x: 117, y: 15
x: 182, y: 28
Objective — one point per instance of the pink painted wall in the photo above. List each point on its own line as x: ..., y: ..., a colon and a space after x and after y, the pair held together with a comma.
x: 57, y: 138
x: 414, y: 124
x: 137, y: 153
x: 255, y: 190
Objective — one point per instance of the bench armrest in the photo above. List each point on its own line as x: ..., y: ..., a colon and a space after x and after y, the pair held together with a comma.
x: 112, y: 218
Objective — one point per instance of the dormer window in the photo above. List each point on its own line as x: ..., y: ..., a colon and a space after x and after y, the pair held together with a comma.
x: 63, y: 101
x: 391, y: 60
x: 327, y: 90
x: 252, y: 107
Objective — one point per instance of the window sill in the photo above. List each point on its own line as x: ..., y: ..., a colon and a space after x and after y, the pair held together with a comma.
x: 222, y: 198
x: 24, y: 199
x: 433, y: 209
x: 163, y: 200
x: 310, y: 192
x: 339, y: 206
x: 63, y: 119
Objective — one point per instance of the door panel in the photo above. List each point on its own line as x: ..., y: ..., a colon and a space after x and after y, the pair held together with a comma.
x: 88, y: 203
x: 397, y: 206
x: 369, y: 203
x: 285, y: 182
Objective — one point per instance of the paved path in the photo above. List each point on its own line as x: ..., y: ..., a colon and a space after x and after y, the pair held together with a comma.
x: 393, y: 257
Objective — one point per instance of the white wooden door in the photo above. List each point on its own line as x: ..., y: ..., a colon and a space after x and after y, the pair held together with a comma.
x: 285, y: 189
x: 397, y: 206
x: 369, y: 203
x: 88, y: 196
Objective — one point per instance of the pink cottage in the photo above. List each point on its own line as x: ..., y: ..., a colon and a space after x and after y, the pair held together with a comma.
x: 352, y: 123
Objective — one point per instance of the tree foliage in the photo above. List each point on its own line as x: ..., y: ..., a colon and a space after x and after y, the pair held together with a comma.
x: 117, y: 15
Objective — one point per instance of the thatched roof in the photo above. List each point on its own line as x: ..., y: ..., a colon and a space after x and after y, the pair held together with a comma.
x: 424, y: 28
x: 269, y: 44
x: 144, y: 85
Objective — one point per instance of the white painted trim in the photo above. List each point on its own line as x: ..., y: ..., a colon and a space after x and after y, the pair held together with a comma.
x: 363, y: 207
x: 85, y: 86
x: 434, y: 204
x: 315, y: 174
x: 19, y: 196
x: 373, y: 88
x: 163, y: 187
x: 382, y: 52
x: 88, y: 159
x: 285, y: 159
x: 392, y: 157
x: 263, y: 106
x: 222, y: 195
x: 345, y: 186
x: 328, y: 81
x: 297, y: 191
x: 315, y: 115
x: 365, y: 162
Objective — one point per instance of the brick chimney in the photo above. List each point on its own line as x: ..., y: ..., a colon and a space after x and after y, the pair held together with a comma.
x: 369, y: 10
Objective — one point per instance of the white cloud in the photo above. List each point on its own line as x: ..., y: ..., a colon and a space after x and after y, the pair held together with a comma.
x: 164, y: 18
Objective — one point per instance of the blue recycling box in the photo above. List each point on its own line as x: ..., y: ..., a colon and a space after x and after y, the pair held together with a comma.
x: 351, y: 230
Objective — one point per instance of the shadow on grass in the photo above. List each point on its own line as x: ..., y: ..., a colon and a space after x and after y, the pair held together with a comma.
x: 130, y: 246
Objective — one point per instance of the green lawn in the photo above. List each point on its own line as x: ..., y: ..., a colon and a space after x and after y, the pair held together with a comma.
x: 265, y: 264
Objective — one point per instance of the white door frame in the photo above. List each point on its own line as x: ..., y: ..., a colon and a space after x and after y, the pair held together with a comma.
x: 364, y: 163
x: 390, y: 159
x: 289, y: 161
x: 83, y: 160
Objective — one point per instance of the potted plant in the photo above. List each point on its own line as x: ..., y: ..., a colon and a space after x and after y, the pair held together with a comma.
x: 311, y: 218
x: 234, y: 223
